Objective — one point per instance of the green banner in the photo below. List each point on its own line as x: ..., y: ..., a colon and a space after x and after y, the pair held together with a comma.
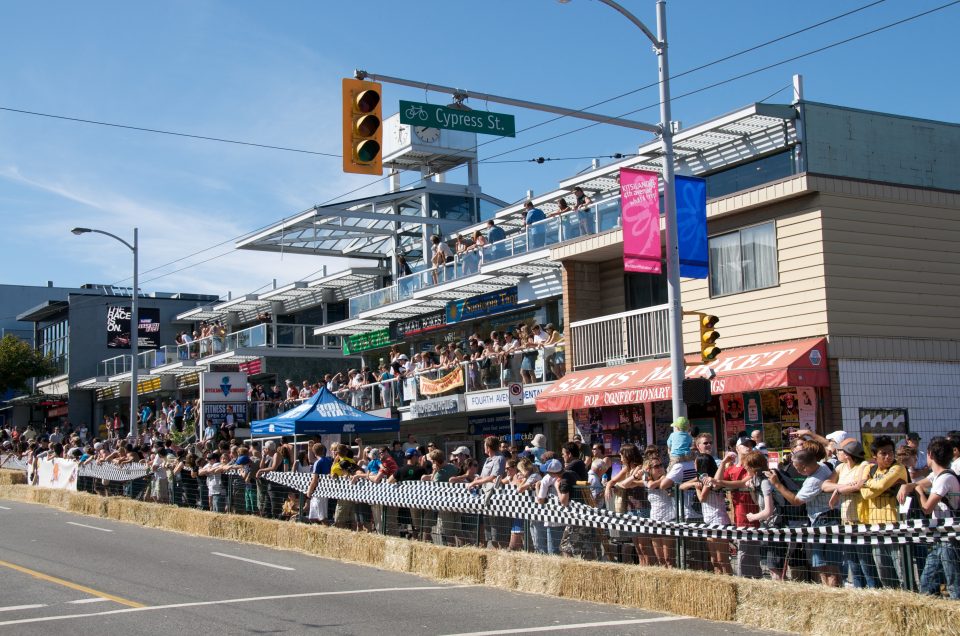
x: 475, y: 121
x: 366, y: 341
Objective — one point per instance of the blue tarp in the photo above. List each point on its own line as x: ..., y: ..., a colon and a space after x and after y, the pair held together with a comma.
x: 323, y: 414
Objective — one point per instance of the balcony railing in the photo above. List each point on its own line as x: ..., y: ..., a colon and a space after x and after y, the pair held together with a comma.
x: 620, y: 338
x: 598, y: 218
x: 114, y: 366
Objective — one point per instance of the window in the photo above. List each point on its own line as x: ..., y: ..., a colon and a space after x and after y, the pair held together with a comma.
x: 744, y: 260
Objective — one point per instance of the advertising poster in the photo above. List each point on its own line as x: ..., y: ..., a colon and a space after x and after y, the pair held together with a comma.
x: 118, y: 328
x: 894, y: 423
x: 770, y: 406
x: 640, y: 204
x: 733, y: 413
x: 789, y: 406
x: 807, y: 398
x: 752, y: 410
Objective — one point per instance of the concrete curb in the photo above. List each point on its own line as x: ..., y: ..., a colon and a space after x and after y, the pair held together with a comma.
x: 795, y: 607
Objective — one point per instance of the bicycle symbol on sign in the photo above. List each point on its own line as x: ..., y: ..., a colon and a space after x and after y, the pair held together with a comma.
x: 416, y: 110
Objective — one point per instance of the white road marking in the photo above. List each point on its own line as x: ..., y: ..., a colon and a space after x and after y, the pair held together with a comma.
x: 553, y: 628
x: 4, y: 508
x: 14, y: 608
x: 83, y: 525
x: 83, y: 601
x: 252, y: 599
x: 266, y: 565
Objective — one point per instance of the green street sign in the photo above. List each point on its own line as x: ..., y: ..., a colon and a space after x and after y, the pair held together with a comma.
x: 475, y: 121
x: 365, y: 341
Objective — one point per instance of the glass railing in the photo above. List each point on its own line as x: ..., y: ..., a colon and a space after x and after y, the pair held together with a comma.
x: 114, y: 366
x: 600, y: 217
x: 262, y: 335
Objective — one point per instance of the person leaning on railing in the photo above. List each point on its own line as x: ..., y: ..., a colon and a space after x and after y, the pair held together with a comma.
x: 879, y: 505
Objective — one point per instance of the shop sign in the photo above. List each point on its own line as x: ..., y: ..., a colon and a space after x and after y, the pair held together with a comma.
x: 494, y: 425
x: 499, y: 398
x: 447, y: 405
x: 481, y: 305
x: 57, y: 411
x: 148, y: 386
x: 402, y: 329
x: 188, y: 379
x: 365, y: 341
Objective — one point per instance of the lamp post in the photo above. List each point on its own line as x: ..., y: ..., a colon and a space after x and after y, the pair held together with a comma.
x: 134, y: 323
x: 675, y: 315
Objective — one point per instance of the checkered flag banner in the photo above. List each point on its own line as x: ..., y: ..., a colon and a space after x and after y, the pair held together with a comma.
x: 505, y: 501
x: 113, y: 472
x: 12, y: 462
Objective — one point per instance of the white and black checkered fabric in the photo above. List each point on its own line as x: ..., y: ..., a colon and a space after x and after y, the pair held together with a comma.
x: 507, y: 502
x: 113, y: 472
x: 12, y: 462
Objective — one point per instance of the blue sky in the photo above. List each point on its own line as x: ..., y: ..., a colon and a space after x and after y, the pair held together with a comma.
x: 269, y: 72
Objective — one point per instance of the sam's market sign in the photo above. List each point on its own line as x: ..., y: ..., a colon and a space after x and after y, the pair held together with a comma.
x: 482, y: 305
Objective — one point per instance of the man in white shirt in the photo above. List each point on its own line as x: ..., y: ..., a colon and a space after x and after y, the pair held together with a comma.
x: 213, y: 471
x: 942, y: 502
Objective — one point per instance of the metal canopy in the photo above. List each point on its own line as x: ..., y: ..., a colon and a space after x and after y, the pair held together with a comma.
x: 92, y: 384
x: 360, y: 228
x: 297, y: 296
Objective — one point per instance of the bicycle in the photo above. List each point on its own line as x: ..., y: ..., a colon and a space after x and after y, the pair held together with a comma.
x: 416, y: 110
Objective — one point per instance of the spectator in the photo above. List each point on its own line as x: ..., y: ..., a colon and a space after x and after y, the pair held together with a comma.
x: 823, y: 556
x: 732, y: 475
x: 879, y: 505
x: 445, y: 530
x: 318, y: 506
x: 553, y: 532
x: 532, y: 225
x: 442, y: 254
x: 584, y: 215
x: 852, y: 471
x: 680, y: 442
x: 662, y: 508
x: 942, y: 502
x: 494, y: 467
x: 714, y: 507
x: 538, y: 446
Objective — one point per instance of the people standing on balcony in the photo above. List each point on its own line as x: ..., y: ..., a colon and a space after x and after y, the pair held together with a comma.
x: 582, y: 207
x: 442, y: 254
x: 535, y: 233
x: 528, y: 362
x: 509, y: 347
x: 476, y: 250
x: 403, y: 268
x: 557, y: 360
x: 495, y: 234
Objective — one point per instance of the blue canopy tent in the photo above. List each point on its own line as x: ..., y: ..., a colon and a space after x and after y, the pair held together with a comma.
x: 323, y: 414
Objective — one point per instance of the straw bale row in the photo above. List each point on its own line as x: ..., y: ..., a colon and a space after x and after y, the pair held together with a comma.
x: 794, y: 607
x: 12, y: 477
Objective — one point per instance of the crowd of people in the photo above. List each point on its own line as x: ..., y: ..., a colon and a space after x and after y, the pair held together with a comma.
x: 821, y: 482
x: 508, y: 355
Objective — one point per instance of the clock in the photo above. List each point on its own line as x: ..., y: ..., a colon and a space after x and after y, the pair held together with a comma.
x: 427, y: 135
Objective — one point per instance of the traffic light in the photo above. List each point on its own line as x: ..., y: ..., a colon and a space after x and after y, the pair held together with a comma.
x: 708, y: 338
x: 362, y: 127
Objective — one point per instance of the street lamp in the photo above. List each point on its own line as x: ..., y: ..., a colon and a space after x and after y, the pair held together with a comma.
x: 675, y: 315
x: 134, y: 323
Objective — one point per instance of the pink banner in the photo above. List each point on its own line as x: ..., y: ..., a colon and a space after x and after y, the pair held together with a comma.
x: 640, y: 205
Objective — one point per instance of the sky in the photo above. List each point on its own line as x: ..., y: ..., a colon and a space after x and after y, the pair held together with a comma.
x: 269, y: 73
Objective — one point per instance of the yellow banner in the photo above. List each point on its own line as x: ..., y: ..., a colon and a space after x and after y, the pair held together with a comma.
x: 452, y: 380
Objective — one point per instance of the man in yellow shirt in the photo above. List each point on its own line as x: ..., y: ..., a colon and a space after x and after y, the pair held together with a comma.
x: 343, y: 466
x: 879, y: 505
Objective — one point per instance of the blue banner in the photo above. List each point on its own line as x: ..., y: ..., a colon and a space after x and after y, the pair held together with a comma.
x: 482, y: 305
x: 692, y: 226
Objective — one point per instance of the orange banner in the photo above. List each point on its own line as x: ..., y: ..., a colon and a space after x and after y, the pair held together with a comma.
x: 452, y: 380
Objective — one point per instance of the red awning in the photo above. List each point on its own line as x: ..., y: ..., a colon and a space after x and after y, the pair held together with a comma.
x: 795, y: 363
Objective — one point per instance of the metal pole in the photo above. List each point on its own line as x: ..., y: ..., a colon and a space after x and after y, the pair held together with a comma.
x: 134, y: 339
x: 674, y: 311
x: 511, y: 424
x: 499, y: 99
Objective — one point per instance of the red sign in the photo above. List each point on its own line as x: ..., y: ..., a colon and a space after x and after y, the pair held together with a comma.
x: 253, y: 367
x: 798, y: 363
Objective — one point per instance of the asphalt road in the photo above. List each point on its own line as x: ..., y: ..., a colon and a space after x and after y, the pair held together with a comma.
x: 61, y: 571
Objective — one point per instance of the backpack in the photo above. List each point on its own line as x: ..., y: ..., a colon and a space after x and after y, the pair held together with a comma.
x: 777, y: 518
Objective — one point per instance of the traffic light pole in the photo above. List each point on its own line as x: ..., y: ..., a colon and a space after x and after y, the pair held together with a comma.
x: 675, y: 317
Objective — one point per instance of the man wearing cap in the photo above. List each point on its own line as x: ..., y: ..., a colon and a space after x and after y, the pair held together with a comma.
x: 550, y: 533
x: 458, y: 456
x: 852, y: 472
x: 493, y: 469
x: 913, y: 441
x: 410, y: 471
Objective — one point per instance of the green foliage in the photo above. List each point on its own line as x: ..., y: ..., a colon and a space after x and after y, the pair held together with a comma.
x: 19, y: 362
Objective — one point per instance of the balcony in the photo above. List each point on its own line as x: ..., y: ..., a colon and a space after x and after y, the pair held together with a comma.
x: 540, y: 236
x: 620, y: 338
x: 283, y: 337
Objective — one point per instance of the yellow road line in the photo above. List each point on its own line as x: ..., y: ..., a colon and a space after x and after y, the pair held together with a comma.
x: 71, y: 585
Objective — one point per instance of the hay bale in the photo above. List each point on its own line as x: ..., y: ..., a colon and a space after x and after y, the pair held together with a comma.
x: 537, y: 573
x: 17, y: 492
x: 464, y: 565
x: 396, y: 555
x: 502, y: 570
x: 426, y: 558
x: 365, y: 548
x: 811, y: 608
x: 12, y: 477
x: 670, y: 590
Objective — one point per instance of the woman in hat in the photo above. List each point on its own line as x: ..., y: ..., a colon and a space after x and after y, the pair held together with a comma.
x: 538, y: 446
x: 852, y: 473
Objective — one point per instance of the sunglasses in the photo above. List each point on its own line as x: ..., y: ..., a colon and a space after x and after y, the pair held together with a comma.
x: 656, y: 465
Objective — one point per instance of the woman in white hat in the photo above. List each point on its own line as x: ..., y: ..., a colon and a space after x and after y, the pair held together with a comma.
x: 538, y: 446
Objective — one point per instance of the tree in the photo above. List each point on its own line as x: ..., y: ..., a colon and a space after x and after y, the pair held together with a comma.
x: 19, y: 362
